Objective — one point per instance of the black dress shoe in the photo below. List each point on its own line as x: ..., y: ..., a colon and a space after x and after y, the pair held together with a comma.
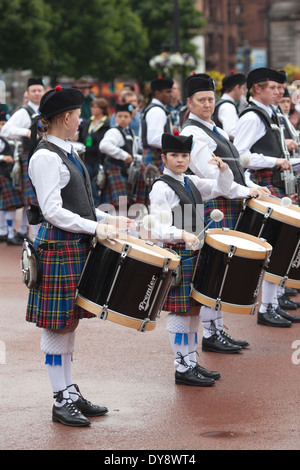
x: 193, y: 378
x: 69, y: 415
x: 211, y: 374
x: 230, y: 339
x: 290, y: 292
x: 272, y: 318
x: 216, y: 343
x: 288, y: 316
x: 85, y: 406
x: 14, y: 241
x: 287, y: 304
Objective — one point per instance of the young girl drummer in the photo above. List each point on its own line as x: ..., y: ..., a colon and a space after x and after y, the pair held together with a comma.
x: 171, y: 191
x: 63, y: 190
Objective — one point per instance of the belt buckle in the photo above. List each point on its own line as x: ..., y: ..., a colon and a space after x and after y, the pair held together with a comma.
x: 51, y: 246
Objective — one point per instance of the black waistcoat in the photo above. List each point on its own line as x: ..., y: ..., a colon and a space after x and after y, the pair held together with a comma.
x: 270, y: 143
x: 77, y: 194
x: 225, y: 150
x: 186, y: 200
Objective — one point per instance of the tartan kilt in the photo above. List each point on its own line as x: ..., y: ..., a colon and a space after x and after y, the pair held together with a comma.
x: 10, y: 198
x: 116, y: 185
x: 28, y: 194
x: 52, y: 303
x: 178, y: 299
x: 264, y: 178
x: 230, y: 207
x: 151, y: 156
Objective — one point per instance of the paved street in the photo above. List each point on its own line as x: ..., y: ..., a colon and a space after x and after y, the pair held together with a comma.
x: 255, y: 404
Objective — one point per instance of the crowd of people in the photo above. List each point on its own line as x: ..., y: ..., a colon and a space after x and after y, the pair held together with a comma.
x: 173, y: 151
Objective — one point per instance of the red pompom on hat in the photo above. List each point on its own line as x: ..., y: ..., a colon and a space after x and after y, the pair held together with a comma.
x: 176, y: 133
x: 58, y: 88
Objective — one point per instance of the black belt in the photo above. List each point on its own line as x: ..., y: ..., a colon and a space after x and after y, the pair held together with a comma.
x: 52, y: 246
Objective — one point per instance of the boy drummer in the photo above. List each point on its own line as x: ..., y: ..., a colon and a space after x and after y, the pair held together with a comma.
x: 172, y: 189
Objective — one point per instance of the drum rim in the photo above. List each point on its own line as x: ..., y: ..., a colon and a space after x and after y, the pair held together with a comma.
x: 114, y: 317
x: 225, y: 306
x: 277, y: 215
x: 136, y: 254
x: 240, y: 252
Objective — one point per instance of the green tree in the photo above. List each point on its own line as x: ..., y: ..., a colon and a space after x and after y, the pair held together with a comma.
x: 23, y: 29
x: 157, y: 18
x: 94, y: 37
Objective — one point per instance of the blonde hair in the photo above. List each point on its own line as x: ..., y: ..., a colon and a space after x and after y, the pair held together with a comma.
x: 262, y: 85
x: 45, y: 124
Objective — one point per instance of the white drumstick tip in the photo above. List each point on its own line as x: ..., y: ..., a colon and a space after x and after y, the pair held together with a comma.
x: 245, y: 160
x: 216, y: 215
x: 286, y: 202
x: 149, y: 222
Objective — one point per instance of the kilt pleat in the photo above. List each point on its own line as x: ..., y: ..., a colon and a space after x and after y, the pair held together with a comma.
x: 10, y: 198
x: 115, y: 187
x: 28, y: 194
x: 231, y: 209
x: 178, y: 299
x: 52, y: 303
x: 264, y: 178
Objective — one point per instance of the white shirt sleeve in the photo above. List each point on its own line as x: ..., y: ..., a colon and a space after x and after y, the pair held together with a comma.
x: 250, y: 128
x: 111, y: 144
x: 201, y: 154
x: 156, y: 120
x: 49, y: 175
x: 17, y: 126
x: 228, y: 117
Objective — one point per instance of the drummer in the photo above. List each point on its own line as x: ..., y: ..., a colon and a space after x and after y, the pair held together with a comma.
x: 211, y: 140
x: 70, y: 221
x: 171, y: 192
x: 257, y: 137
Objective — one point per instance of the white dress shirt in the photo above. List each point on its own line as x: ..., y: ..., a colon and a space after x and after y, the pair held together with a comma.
x: 228, y: 115
x: 202, y: 150
x: 111, y: 144
x: 49, y: 175
x: 249, y: 130
x: 163, y: 198
x: 156, y: 120
x: 18, y: 124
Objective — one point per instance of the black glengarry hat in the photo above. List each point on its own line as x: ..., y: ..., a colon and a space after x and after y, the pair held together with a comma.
x: 126, y: 107
x: 199, y: 82
x: 176, y: 143
x: 35, y: 81
x: 263, y: 74
x: 161, y: 83
x: 233, y: 79
x: 59, y: 100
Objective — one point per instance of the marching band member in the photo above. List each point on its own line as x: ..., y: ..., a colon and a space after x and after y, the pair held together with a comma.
x: 174, y: 190
x: 155, y: 120
x: 208, y: 141
x: 256, y: 137
x: 119, y: 146
x: 18, y: 127
x: 226, y: 113
x: 64, y: 195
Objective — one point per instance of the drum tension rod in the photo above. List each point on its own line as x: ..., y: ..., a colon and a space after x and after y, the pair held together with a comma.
x: 266, y: 216
x: 125, y: 250
x: 231, y: 251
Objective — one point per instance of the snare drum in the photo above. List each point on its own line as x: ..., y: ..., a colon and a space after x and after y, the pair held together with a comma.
x: 230, y: 271
x: 280, y: 226
x: 127, y: 282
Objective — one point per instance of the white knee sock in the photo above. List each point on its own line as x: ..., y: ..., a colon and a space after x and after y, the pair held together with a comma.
x: 56, y: 348
x: 268, y: 296
x: 10, y: 217
x: 178, y: 328
x: 209, y: 319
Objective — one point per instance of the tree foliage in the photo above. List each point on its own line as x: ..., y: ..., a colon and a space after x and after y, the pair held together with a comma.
x: 101, y: 38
